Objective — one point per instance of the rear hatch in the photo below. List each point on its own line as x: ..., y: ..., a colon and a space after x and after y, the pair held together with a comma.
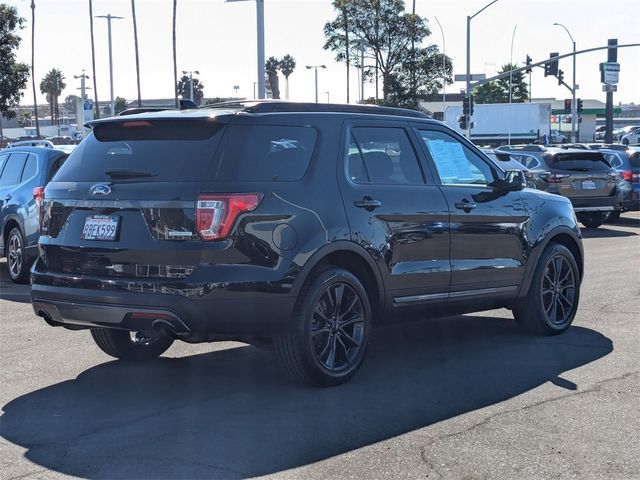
x: 581, y: 174
x: 123, y: 204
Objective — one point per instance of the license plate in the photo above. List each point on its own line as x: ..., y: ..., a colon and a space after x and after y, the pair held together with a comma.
x: 100, y: 227
x: 588, y: 185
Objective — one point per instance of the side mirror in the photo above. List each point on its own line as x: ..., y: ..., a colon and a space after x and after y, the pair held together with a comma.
x: 514, y: 181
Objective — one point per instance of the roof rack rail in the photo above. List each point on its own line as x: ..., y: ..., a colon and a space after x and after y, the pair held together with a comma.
x: 31, y: 143
x: 184, y: 105
x: 274, y: 106
x: 524, y: 148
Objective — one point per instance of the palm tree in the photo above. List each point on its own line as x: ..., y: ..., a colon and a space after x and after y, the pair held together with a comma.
x: 271, y: 67
x: 33, y: 62
x: 52, y: 85
x: 93, y: 60
x: 287, y: 66
x: 175, y: 62
x: 135, y: 42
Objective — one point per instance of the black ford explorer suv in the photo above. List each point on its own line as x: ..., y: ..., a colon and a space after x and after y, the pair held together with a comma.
x: 296, y: 225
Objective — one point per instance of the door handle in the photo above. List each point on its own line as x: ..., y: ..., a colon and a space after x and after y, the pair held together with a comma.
x: 368, y: 203
x: 466, y: 205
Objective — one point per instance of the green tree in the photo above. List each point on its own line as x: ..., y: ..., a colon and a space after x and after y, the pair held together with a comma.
x: 383, y: 29
x: 24, y: 119
x: 271, y: 67
x: 13, y: 75
x: 52, y: 85
x: 70, y: 103
x: 120, y: 104
x: 422, y: 74
x: 497, y: 91
x: 184, y: 88
x: 287, y: 66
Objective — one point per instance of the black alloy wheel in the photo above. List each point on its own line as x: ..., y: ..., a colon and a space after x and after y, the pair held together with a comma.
x: 552, y: 300
x: 337, y: 328
x: 17, y: 263
x: 558, y: 290
x: 327, y: 339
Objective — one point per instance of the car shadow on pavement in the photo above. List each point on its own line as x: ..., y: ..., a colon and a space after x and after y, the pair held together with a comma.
x: 231, y: 413
x: 605, y: 232
x: 10, y: 291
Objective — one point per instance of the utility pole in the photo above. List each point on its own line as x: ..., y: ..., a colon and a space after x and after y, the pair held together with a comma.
x: 612, y: 57
x: 574, y: 109
x: 80, y: 121
x: 110, y: 17
x: 191, y: 72
x: 315, y: 67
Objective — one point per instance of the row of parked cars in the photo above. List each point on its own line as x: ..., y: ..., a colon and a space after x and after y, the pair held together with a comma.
x: 601, y: 180
x: 295, y: 226
x: 627, y: 135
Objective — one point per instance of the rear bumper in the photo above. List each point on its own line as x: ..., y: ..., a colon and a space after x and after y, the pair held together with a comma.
x: 595, y: 204
x: 246, y: 316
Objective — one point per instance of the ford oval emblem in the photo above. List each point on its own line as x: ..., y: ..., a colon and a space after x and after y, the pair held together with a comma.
x: 100, y: 189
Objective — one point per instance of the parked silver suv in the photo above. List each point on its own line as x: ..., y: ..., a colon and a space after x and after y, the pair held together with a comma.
x: 583, y: 176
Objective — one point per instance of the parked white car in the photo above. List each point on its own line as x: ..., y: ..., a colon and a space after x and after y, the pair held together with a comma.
x: 632, y: 137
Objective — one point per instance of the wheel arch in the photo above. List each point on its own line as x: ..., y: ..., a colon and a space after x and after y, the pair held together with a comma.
x: 563, y: 236
x: 10, y: 222
x: 351, y: 257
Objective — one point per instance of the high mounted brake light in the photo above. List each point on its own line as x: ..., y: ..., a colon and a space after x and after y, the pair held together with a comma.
x: 216, y: 214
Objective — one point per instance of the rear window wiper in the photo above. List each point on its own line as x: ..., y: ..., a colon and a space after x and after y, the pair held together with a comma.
x: 579, y: 169
x: 120, y: 173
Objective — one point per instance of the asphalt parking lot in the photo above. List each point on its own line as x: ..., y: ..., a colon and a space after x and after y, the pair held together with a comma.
x: 467, y: 397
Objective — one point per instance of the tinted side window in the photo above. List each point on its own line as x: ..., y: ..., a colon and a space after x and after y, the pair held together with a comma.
x: 383, y: 155
x: 2, y: 160
x: 264, y: 153
x: 455, y: 162
x: 528, y: 161
x: 613, y: 159
x: 30, y: 168
x: 55, y: 166
x: 13, y: 169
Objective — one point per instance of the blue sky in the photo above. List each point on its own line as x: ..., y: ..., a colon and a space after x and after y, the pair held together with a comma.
x: 218, y: 39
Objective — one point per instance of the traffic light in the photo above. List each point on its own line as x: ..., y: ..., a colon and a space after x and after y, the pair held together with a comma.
x: 567, y: 105
x: 560, y: 77
x: 528, y: 70
x: 462, y: 121
x: 551, y: 67
x: 579, y: 102
x: 471, y: 105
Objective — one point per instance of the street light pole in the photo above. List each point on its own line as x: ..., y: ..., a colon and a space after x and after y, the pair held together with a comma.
x: 83, y: 88
x: 260, y: 43
x: 110, y: 17
x: 190, y: 72
x: 468, y: 90
x: 444, y: 70
x: 513, y: 35
x: 316, y: 67
x: 574, y: 112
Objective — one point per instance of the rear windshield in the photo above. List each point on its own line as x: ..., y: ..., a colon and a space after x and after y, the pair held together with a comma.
x: 263, y: 153
x: 579, y: 161
x: 159, y: 150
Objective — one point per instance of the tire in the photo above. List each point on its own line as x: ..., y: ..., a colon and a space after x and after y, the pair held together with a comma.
x: 130, y: 345
x: 552, y: 300
x: 326, y: 341
x: 593, y: 219
x: 625, y: 141
x: 614, y: 216
x: 17, y: 261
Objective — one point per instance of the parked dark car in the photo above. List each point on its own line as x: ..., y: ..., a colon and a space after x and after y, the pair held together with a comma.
x: 294, y: 225
x: 627, y: 164
x: 24, y: 171
x: 582, y: 175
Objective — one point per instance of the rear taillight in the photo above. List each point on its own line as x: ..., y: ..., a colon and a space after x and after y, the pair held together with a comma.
x: 635, y: 177
x: 38, y: 196
x: 216, y: 214
x: 627, y: 176
x: 553, y: 177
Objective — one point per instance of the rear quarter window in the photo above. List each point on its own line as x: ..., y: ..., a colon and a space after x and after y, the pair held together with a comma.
x: 264, y: 153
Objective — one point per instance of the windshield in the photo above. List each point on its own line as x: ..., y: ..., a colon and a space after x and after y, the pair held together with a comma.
x: 579, y: 161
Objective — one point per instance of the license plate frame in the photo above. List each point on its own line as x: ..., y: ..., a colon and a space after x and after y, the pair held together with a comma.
x: 588, y: 185
x: 102, y: 228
